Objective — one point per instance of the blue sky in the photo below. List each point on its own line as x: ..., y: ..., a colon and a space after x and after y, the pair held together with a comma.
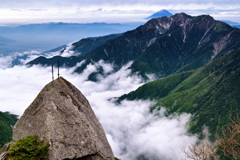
x: 82, y: 11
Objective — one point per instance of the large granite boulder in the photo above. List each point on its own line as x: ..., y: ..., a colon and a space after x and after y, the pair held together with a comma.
x: 62, y: 116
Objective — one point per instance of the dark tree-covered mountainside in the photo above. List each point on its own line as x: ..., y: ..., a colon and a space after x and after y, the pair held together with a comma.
x: 7, y: 121
x: 88, y: 44
x: 211, y: 93
x: 161, y: 46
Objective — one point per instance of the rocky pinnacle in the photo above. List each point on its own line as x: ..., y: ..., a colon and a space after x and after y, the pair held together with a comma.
x: 62, y: 116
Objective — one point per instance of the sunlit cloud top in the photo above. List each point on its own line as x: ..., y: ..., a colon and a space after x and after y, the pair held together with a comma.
x: 80, y: 11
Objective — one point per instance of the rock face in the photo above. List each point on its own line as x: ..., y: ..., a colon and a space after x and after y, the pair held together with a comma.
x: 62, y: 115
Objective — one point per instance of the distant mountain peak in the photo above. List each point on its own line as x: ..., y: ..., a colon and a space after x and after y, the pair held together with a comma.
x: 159, y: 14
x: 230, y: 22
x: 172, y: 43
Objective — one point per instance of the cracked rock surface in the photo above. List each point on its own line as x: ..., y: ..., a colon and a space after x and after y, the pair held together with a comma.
x: 62, y: 116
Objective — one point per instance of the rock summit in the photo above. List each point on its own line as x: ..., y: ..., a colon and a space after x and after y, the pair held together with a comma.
x: 62, y: 116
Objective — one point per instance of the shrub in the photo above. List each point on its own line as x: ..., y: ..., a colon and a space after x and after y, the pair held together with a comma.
x: 202, y: 151
x: 228, y: 144
x: 28, y: 148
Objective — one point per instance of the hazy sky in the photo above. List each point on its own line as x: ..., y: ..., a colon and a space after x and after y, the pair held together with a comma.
x: 84, y: 11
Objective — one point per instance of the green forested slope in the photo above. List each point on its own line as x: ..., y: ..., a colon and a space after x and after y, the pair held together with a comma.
x: 157, y: 89
x: 211, y: 93
x: 7, y: 121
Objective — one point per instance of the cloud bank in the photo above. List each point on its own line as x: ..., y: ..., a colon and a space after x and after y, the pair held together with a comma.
x: 110, y: 11
x: 18, y: 58
x: 132, y: 131
x: 34, y: 4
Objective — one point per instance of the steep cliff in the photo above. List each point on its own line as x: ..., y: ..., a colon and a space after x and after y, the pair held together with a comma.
x: 62, y: 116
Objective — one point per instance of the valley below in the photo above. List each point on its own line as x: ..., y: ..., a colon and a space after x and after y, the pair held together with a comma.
x: 169, y: 83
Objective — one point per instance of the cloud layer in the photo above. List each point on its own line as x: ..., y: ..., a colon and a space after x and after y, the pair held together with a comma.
x: 132, y: 131
x: 18, y: 58
x: 110, y: 11
x: 70, y: 3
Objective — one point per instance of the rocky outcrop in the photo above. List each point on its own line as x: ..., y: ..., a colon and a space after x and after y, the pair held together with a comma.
x: 5, y: 148
x: 62, y: 116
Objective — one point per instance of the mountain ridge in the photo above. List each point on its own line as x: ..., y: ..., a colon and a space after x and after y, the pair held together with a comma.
x: 231, y: 22
x: 46, y: 36
x: 163, y: 46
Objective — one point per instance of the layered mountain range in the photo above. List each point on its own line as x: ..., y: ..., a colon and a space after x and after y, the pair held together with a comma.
x: 4, y: 41
x: 45, y: 36
x: 161, y: 46
x: 196, y: 57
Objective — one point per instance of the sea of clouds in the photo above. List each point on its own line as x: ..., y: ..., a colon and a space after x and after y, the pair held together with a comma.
x: 133, y: 132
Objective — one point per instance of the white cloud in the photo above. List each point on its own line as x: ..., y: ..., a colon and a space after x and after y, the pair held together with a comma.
x: 132, y: 131
x: 108, y: 11
x: 68, y: 51
x: 27, y: 56
x: 6, y: 62
x: 35, y: 4
x: 20, y: 85
x: 22, y: 58
x: 30, y: 56
x: 130, y: 128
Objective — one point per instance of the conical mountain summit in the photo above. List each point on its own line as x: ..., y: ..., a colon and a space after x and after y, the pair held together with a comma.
x: 159, y: 14
x: 62, y: 116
